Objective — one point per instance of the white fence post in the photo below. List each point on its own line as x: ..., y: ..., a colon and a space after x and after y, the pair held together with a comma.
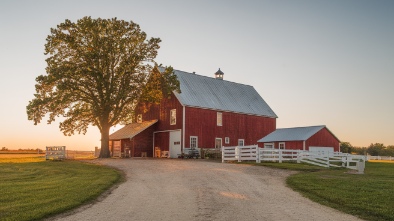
x: 238, y: 153
x: 222, y: 154
x: 328, y: 158
x: 280, y: 155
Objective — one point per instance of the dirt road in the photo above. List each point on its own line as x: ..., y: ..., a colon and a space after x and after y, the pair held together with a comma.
x: 172, y: 189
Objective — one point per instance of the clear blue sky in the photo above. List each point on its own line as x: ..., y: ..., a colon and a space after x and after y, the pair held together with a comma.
x: 314, y: 62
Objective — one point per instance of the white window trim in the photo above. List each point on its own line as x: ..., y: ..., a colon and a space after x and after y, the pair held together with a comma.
x: 191, y: 137
x: 172, y: 111
x: 219, y: 119
x: 269, y: 144
x: 284, y: 145
x: 227, y: 140
x: 243, y: 142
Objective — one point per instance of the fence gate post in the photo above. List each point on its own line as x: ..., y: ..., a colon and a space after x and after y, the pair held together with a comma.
x: 328, y: 158
x: 280, y: 156
x: 257, y: 154
x: 238, y: 153
x: 222, y: 154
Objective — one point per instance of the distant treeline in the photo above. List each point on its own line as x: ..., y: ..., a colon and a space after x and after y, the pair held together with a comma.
x: 6, y: 150
x: 376, y: 149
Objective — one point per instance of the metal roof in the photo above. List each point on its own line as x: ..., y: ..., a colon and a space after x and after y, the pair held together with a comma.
x: 131, y: 130
x: 292, y: 134
x: 211, y: 93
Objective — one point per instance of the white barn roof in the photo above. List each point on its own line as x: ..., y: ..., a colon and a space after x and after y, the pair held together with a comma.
x: 292, y: 134
x: 211, y: 93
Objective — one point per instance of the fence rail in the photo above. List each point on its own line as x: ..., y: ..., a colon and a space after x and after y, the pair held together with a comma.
x: 389, y: 158
x: 323, y: 159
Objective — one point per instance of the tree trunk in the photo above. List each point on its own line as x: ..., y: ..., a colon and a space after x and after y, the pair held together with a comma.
x: 104, y: 152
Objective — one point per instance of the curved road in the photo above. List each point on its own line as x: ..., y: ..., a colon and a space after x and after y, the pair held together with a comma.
x: 174, y: 189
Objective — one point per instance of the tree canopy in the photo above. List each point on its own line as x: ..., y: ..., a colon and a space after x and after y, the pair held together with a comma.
x: 346, y: 147
x: 374, y: 149
x: 97, y: 72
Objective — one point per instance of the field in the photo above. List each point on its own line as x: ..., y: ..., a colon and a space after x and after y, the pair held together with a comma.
x: 381, y: 161
x: 71, y: 154
x: 368, y: 196
x: 20, y: 155
x: 32, y: 188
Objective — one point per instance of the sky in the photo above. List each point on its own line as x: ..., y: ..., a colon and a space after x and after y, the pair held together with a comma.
x: 314, y: 62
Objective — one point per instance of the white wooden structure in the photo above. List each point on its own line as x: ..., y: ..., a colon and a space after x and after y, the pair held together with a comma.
x: 380, y: 158
x: 55, y: 152
x: 318, y: 158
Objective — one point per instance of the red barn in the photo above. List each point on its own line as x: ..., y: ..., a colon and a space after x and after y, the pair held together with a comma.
x: 208, y: 113
x: 314, y: 138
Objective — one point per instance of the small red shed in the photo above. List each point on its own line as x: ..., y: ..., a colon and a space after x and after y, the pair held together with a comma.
x: 313, y: 138
x: 133, y: 140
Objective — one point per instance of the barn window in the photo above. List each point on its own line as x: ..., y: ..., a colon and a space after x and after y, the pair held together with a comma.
x: 269, y: 145
x: 282, y: 146
x: 139, y: 118
x: 173, y: 117
x: 241, y: 142
x: 193, y: 142
x: 219, y: 119
x: 227, y: 140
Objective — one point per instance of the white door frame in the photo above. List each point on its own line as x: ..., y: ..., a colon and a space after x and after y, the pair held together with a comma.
x: 221, y: 142
x: 169, y: 139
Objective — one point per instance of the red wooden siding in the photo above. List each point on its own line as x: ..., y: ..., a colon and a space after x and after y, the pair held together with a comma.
x: 142, y: 142
x: 202, y: 123
x: 289, y: 145
x: 162, y: 140
x: 323, y: 138
x: 162, y: 113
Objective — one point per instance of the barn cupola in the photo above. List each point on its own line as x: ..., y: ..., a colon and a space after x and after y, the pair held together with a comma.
x: 219, y: 74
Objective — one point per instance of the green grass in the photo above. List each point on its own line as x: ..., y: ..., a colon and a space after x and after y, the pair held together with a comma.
x: 369, y: 196
x: 33, y: 189
x: 289, y: 166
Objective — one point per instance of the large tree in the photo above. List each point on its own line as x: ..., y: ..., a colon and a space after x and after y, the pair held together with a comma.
x: 97, y: 72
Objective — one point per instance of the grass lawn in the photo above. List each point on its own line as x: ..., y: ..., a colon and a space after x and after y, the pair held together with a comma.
x: 33, y: 189
x: 369, y: 196
x: 289, y: 166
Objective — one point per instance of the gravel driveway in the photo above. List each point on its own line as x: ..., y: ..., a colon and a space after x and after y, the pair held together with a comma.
x: 175, y: 189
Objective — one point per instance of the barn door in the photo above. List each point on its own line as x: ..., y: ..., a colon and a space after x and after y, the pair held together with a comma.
x: 175, y: 144
x: 218, y: 143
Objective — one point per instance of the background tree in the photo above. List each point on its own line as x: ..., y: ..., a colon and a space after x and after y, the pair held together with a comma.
x: 389, y: 151
x: 97, y: 72
x: 360, y: 150
x: 346, y: 147
x: 375, y: 149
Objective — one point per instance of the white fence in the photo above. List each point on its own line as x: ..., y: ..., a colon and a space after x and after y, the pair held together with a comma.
x: 380, y: 158
x: 325, y: 159
x: 239, y: 153
x: 55, y: 152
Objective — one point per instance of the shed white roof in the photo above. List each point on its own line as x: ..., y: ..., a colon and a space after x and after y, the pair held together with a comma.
x: 211, y: 93
x: 292, y: 134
